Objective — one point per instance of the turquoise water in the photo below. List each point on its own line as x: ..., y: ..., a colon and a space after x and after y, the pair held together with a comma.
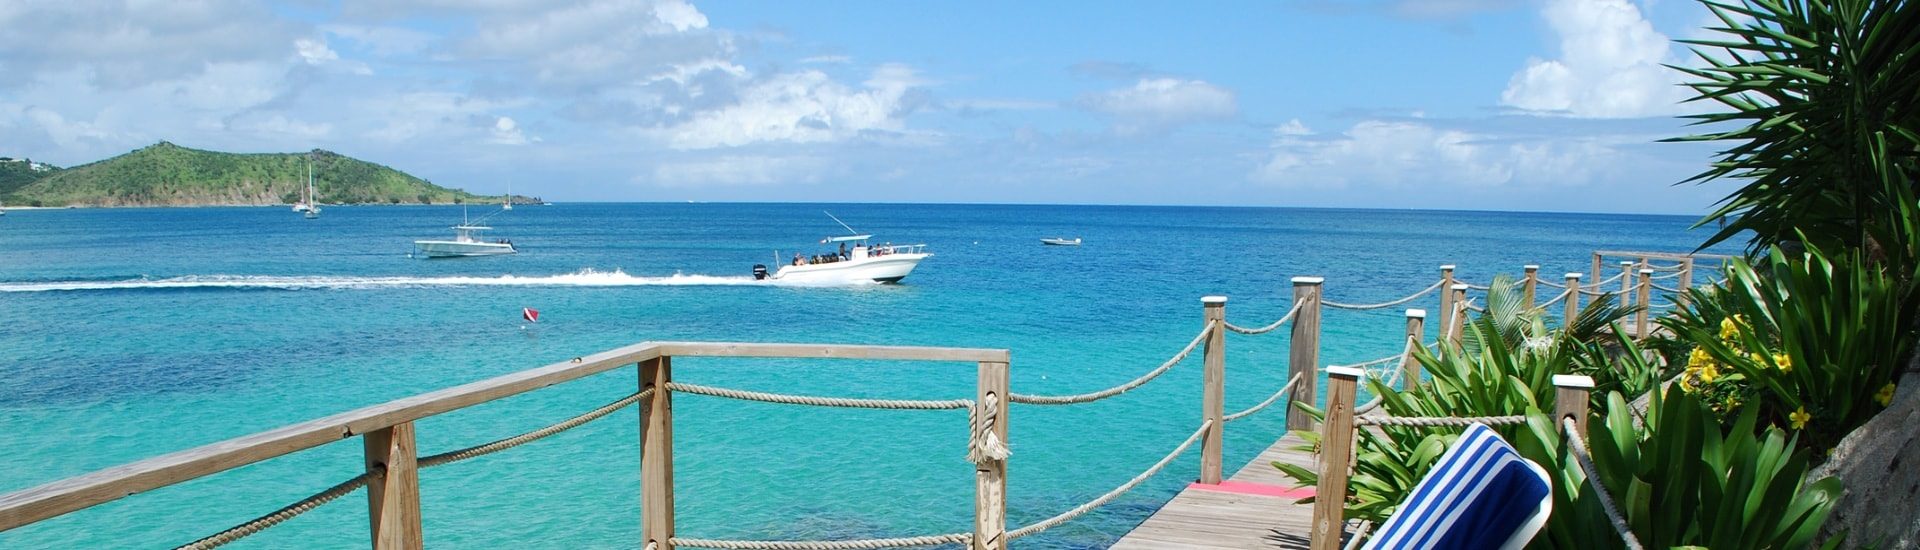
x: 134, y: 332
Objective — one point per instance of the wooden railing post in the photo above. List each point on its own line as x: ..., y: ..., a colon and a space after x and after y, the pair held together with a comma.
x: 1640, y: 325
x: 1533, y: 280
x: 1416, y: 332
x: 1213, y: 397
x: 1686, y: 280
x: 393, y: 497
x: 1446, y: 298
x: 1570, y: 399
x: 1573, y: 299
x: 656, y: 455
x: 1457, y: 329
x: 990, y: 477
x: 1626, y: 281
x: 1598, y: 275
x: 1304, y: 350
x: 1336, y: 456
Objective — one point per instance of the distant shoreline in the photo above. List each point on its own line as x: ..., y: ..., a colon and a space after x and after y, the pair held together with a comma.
x: 281, y: 205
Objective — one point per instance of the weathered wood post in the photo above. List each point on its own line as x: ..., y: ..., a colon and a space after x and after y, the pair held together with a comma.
x: 1214, y: 397
x: 1458, y: 327
x: 656, y: 455
x: 1641, y: 327
x: 1446, y: 298
x: 990, y: 477
x: 1626, y: 281
x: 1570, y: 399
x: 1598, y: 275
x: 1533, y: 280
x: 393, y: 495
x: 1573, y: 299
x: 1417, y: 335
x: 1336, y: 456
x: 1686, y: 280
x: 1304, y: 351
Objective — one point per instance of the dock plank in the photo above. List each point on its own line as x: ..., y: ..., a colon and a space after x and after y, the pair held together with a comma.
x: 1215, y: 518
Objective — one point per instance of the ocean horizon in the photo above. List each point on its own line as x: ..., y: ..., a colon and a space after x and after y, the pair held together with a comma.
x: 134, y: 332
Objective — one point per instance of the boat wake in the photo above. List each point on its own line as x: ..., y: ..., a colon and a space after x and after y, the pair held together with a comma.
x: 582, y: 278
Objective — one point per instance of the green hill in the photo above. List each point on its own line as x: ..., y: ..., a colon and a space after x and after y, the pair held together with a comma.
x: 17, y: 173
x: 165, y: 174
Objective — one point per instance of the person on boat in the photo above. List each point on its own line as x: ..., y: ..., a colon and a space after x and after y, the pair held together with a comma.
x: 843, y: 250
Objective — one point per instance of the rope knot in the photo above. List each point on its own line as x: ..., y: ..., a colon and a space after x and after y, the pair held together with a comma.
x: 985, y: 444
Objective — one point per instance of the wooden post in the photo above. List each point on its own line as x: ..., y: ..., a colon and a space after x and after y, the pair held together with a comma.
x: 1573, y: 299
x: 393, y: 497
x: 990, y: 478
x: 1598, y: 275
x: 1417, y: 333
x: 1446, y: 298
x: 656, y: 455
x: 1626, y: 281
x: 1213, y: 397
x: 1336, y: 456
x: 1686, y: 280
x: 1570, y: 399
x: 1533, y: 279
x: 1640, y: 324
x: 1458, y: 329
x: 1304, y: 350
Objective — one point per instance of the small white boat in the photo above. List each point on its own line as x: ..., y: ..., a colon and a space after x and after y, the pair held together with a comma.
x: 507, y: 203
x: 1060, y: 241
x: 309, y: 208
x: 856, y: 260
x: 464, y: 243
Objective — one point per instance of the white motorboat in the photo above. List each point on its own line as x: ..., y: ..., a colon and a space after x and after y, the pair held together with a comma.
x: 464, y: 243
x: 855, y: 260
x: 1060, y: 241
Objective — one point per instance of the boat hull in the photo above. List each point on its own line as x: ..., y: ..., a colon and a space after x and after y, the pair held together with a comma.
x: 456, y: 249
x: 890, y: 268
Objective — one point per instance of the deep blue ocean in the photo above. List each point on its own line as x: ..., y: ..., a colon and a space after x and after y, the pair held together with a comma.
x: 130, y: 333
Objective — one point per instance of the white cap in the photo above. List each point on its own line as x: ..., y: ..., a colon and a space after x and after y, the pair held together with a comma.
x: 1646, y: 271
x: 1573, y: 275
x: 1308, y: 280
x: 1460, y: 286
x: 1213, y: 299
x: 1417, y: 313
x: 1626, y: 262
x: 1531, y: 267
x: 1448, y: 267
x: 1347, y: 371
x: 1572, y: 381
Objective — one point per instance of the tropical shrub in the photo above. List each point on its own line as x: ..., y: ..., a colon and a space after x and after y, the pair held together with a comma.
x: 1814, y: 343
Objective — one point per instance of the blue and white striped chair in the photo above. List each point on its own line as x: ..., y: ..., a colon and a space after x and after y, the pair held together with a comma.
x: 1480, y: 494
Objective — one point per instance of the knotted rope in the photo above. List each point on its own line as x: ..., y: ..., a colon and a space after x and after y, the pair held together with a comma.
x: 1437, y: 421
x: 845, y: 402
x: 1120, y: 389
x: 1276, y: 324
x: 1284, y: 389
x: 1082, y: 509
x: 859, y: 544
x: 984, y: 444
x: 287, y: 512
x: 1585, y: 459
x: 1409, y: 298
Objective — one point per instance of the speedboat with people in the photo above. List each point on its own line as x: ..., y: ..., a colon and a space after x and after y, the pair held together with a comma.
x: 854, y: 259
x: 464, y: 243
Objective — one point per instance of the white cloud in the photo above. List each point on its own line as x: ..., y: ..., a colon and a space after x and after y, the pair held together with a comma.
x: 1159, y: 103
x: 129, y: 44
x: 1609, y: 65
x: 802, y: 107
x: 596, y: 43
x: 382, y: 40
x: 316, y: 53
x: 1389, y: 154
x: 507, y: 132
x: 740, y: 170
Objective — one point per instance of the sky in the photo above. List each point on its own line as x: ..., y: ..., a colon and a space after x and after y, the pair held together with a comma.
x: 1547, y: 105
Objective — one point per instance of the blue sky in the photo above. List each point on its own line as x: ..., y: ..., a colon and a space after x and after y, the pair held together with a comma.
x: 1459, y: 104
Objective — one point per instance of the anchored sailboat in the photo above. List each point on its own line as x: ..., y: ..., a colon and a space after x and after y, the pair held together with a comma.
x: 313, y: 206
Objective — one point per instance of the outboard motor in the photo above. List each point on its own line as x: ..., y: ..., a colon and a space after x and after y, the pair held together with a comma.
x: 759, y: 272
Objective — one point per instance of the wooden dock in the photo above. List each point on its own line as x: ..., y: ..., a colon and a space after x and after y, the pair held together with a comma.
x: 1253, y: 509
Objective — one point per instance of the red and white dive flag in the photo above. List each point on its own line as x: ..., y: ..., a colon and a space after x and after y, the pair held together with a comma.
x: 530, y: 314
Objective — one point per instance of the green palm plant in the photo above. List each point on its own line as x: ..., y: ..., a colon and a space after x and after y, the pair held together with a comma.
x: 1821, y: 114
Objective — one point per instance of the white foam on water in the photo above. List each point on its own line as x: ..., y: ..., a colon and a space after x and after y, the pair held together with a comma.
x: 583, y: 278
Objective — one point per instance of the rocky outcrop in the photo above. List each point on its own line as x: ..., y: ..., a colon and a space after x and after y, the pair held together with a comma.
x: 1880, y: 465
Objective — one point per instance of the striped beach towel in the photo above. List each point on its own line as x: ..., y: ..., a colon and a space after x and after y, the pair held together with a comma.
x: 1480, y: 494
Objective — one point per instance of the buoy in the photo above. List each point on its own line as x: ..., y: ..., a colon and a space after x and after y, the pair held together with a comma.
x: 530, y: 314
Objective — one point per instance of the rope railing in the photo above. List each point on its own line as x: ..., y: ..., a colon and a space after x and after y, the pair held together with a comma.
x: 855, y: 544
x: 1581, y: 455
x: 1672, y: 275
x: 1284, y: 389
x: 1438, y: 421
x: 1082, y: 509
x: 285, y: 513
x: 1473, y: 286
x: 1666, y: 288
x: 1658, y: 267
x: 536, y: 435
x: 1269, y: 328
x: 844, y: 402
x: 1556, y: 299
x: 1616, y: 277
x: 1473, y: 308
x: 1544, y: 282
x: 1120, y: 389
x: 1411, y: 297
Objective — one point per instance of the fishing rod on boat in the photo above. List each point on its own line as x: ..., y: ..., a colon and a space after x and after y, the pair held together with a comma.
x: 850, y: 229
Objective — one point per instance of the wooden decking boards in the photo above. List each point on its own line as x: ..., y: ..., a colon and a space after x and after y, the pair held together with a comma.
x: 1253, y: 509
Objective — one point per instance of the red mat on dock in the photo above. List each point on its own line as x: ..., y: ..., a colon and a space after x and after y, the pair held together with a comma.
x: 1262, y: 489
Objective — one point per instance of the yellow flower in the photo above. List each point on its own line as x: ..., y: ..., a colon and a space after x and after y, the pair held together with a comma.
x: 1729, y: 328
x: 1708, y: 373
x: 1757, y: 358
x: 1783, y: 361
x: 1885, y: 395
x: 1699, y: 357
x: 1800, y: 418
